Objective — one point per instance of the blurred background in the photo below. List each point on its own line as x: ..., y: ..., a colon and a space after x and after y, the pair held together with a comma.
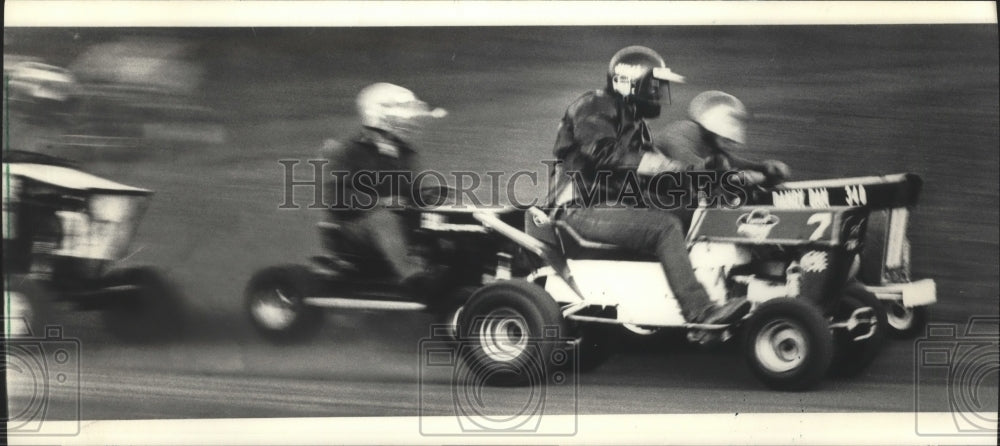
x: 202, y: 117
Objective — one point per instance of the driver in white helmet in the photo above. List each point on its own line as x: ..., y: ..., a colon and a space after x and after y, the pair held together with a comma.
x: 713, y: 135
x: 391, y: 116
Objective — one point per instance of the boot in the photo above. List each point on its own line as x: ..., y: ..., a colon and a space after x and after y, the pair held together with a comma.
x: 428, y: 286
x: 727, y: 313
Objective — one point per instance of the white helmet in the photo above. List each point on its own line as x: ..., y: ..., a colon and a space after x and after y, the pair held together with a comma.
x: 720, y: 113
x: 393, y: 108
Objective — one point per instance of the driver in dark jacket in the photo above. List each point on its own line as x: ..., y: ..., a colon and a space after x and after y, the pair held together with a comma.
x: 604, y: 132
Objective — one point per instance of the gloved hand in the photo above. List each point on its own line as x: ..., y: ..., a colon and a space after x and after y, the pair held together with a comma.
x: 718, y: 163
x: 753, y: 178
x: 776, y: 171
x: 653, y: 163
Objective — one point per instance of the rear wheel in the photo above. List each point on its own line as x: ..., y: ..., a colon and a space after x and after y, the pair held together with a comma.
x: 511, y: 333
x: 904, y: 322
x: 150, y: 310
x: 274, y: 301
x: 787, y: 344
x: 851, y: 355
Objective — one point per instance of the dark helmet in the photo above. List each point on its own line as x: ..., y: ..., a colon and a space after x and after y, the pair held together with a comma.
x: 635, y: 73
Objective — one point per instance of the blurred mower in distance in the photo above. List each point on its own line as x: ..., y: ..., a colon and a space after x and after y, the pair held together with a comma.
x: 63, y: 230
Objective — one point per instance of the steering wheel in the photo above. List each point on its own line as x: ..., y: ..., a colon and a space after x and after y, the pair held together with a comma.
x: 435, y: 196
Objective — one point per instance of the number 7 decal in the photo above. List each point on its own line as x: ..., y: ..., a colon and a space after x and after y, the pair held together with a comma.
x: 823, y: 220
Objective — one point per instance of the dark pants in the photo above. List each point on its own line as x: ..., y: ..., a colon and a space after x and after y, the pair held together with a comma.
x: 650, y: 231
x: 384, y: 231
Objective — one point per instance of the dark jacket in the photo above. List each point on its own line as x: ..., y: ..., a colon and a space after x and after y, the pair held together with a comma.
x: 686, y: 142
x: 599, y: 132
x: 357, y: 165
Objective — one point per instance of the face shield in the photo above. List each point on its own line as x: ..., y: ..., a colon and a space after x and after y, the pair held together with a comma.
x: 644, y: 86
x: 407, y: 119
x: 666, y: 76
x: 395, y: 109
x: 647, y: 97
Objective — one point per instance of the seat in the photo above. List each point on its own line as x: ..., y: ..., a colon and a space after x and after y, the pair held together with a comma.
x: 347, y: 253
x: 575, y: 246
x: 539, y: 226
x: 578, y: 240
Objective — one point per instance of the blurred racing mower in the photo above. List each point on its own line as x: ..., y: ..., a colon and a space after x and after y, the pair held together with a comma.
x: 795, y: 251
x: 287, y: 303
x: 527, y: 281
x: 63, y: 230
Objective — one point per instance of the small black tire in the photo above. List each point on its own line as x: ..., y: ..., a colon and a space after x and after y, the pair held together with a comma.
x: 905, y: 322
x: 511, y: 334
x: 30, y: 305
x: 787, y: 344
x: 274, y: 303
x: 850, y: 357
x: 152, y: 311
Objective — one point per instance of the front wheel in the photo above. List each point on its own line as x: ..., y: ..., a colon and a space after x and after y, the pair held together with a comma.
x: 274, y: 301
x: 787, y: 344
x: 512, y: 334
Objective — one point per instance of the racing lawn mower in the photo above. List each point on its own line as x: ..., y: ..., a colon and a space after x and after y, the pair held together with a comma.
x: 63, y: 231
x: 796, y: 261
x: 528, y: 288
x: 287, y: 303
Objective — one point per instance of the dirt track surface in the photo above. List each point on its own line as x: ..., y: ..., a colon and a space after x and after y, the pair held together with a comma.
x: 830, y: 101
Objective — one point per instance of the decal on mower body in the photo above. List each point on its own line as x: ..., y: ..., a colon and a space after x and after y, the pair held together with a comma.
x: 767, y: 225
x: 881, y: 192
x: 814, y: 261
x: 801, y: 198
